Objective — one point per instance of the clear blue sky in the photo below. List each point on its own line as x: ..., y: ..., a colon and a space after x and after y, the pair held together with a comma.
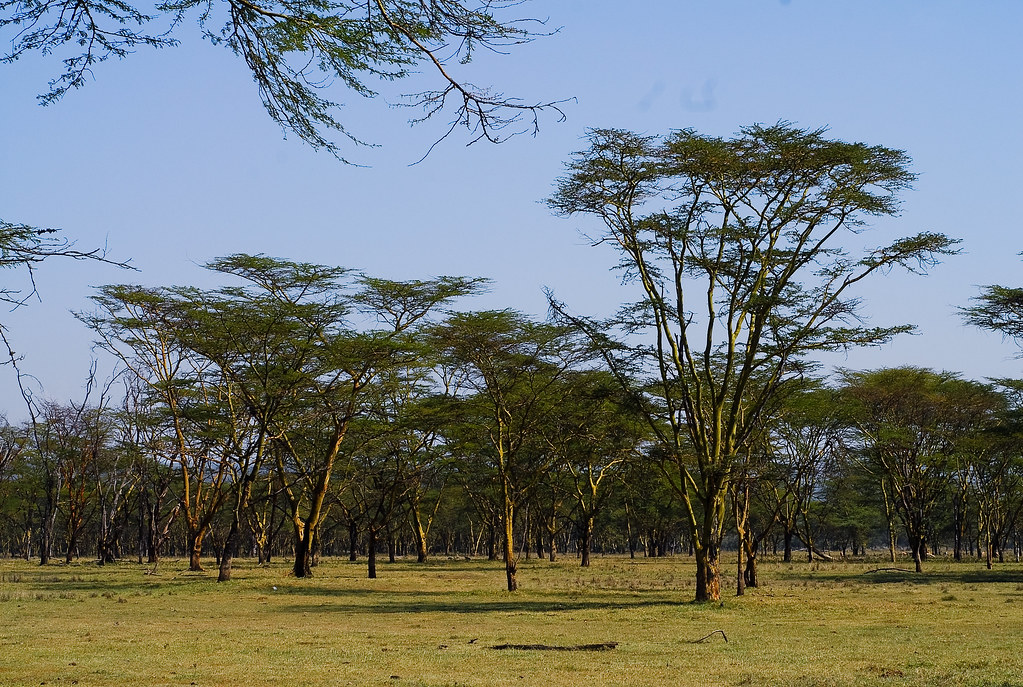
x: 168, y: 158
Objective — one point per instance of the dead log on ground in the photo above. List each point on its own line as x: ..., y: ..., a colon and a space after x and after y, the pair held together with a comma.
x: 604, y: 646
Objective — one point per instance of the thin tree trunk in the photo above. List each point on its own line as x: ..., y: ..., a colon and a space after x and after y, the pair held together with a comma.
x: 510, y: 563
x: 750, y: 572
x: 420, y: 536
x: 353, y: 541
x: 371, y: 552
x: 229, y: 545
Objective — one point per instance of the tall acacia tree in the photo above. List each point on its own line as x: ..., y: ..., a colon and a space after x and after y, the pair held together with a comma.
x: 512, y: 368
x: 142, y: 327
x: 594, y: 433
x: 737, y: 247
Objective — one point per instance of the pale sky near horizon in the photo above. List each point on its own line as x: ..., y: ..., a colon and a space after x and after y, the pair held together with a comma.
x: 168, y: 158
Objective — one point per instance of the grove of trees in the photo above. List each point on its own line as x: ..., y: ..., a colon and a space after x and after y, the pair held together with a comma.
x: 300, y: 410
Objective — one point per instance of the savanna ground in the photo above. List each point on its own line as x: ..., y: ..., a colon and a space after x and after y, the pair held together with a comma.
x: 434, y: 624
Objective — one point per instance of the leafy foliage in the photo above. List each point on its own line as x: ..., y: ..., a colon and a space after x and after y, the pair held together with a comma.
x: 297, y: 49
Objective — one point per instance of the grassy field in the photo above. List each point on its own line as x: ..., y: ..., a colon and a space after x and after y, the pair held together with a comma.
x: 435, y: 624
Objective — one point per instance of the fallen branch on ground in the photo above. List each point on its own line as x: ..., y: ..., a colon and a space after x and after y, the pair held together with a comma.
x: 702, y: 639
x: 605, y: 646
x: 887, y: 570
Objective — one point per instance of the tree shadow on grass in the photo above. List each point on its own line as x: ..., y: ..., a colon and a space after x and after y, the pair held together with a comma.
x: 377, y: 601
x: 1012, y: 575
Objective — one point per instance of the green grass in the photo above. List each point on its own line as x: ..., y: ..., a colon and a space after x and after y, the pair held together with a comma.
x: 433, y: 624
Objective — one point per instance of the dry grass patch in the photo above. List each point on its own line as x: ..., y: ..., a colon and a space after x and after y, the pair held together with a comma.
x: 433, y: 624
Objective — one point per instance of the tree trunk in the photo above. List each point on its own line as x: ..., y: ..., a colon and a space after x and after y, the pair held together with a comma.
x: 890, y: 516
x: 371, y: 551
x: 492, y: 543
x: 788, y: 544
x: 586, y: 540
x: 44, y: 546
x: 152, y: 537
x: 917, y: 544
x: 142, y: 527
x: 987, y: 549
x: 740, y: 571
x: 226, y: 556
x: 303, y: 553
x: 195, y: 550
x: 750, y: 573
x: 510, y: 563
x: 708, y: 574
x: 420, y: 535
x: 353, y: 541
x: 527, y: 527
x: 959, y: 529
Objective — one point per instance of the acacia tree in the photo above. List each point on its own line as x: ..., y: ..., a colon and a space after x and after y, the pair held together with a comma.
x: 401, y: 419
x: 804, y: 440
x: 736, y: 246
x: 347, y: 362
x: 295, y: 50
x: 141, y: 327
x: 400, y: 467
x: 261, y: 339
x: 511, y: 367
x: 594, y: 434
x: 911, y: 423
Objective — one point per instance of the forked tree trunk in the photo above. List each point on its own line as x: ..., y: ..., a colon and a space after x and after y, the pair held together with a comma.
x: 750, y: 573
x: 420, y: 535
x: 916, y: 543
x: 226, y: 556
x: 195, y: 550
